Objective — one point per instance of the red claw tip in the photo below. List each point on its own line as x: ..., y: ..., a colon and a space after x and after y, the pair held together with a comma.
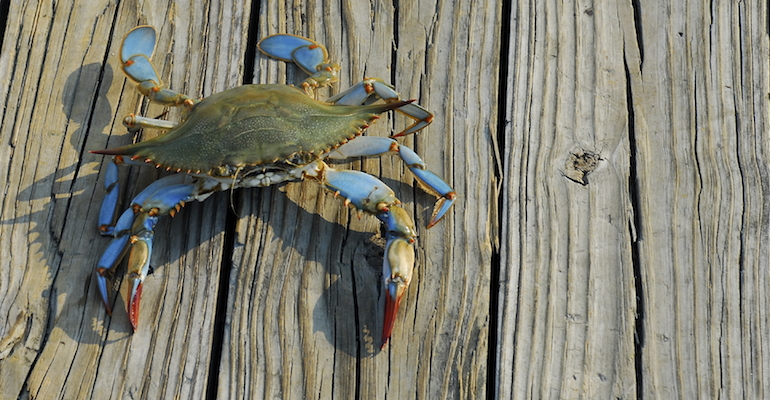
x: 133, y: 308
x: 391, y: 308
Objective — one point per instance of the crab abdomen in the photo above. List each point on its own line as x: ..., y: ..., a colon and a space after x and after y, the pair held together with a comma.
x: 252, y: 125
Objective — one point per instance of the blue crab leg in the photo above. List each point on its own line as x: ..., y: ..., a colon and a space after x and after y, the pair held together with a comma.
x: 430, y: 182
x: 134, y: 233
x: 282, y: 47
x: 307, y: 54
x: 140, y: 69
x: 110, y: 201
x: 140, y: 40
x: 364, y: 191
x: 156, y: 189
x: 135, y: 122
x: 135, y: 52
x: 398, y: 223
x: 112, y: 255
x: 371, y: 195
x: 360, y: 92
x: 368, y: 146
x: 112, y: 192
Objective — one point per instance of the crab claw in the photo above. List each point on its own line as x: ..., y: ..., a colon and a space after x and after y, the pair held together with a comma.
x: 397, y: 273
x: 138, y: 268
x: 370, y: 194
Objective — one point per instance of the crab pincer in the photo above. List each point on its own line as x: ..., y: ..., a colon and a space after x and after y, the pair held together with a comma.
x: 134, y: 233
x: 397, y: 264
x: 371, y: 195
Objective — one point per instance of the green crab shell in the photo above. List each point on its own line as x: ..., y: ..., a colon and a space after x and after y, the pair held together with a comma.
x: 252, y: 125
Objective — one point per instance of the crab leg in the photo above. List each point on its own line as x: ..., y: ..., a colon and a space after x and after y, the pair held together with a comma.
x: 110, y: 201
x: 112, y: 193
x: 360, y: 92
x: 135, y: 52
x: 112, y: 255
x: 371, y: 195
x: 307, y: 54
x: 367, y: 146
x: 134, y: 233
x: 136, y: 122
x: 314, y: 59
x: 364, y: 191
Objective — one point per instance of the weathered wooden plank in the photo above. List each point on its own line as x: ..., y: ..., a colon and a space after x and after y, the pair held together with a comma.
x: 674, y: 98
x: 43, y: 132
x: 68, y: 96
x: 566, y: 315
x: 305, y: 299
x: 304, y: 313
x: 700, y: 85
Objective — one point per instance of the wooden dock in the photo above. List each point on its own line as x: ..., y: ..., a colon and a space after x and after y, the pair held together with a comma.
x: 609, y: 241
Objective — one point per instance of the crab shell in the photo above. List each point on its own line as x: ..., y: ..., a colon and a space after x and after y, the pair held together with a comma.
x: 253, y: 125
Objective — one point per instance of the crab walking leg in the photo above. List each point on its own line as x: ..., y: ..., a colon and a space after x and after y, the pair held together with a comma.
x: 112, y: 255
x: 111, y: 195
x: 135, y: 52
x: 136, y: 122
x: 314, y: 59
x: 307, y: 54
x: 431, y: 182
x: 360, y: 92
x: 371, y: 195
x: 112, y: 192
x: 368, y: 146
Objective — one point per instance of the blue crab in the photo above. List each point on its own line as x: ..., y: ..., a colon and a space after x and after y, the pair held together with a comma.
x: 255, y: 136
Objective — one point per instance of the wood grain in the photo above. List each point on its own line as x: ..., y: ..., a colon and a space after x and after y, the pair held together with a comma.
x: 648, y: 279
x: 607, y: 241
x: 302, y: 315
x: 566, y: 319
x: 312, y: 268
x: 70, y: 104
x: 702, y: 122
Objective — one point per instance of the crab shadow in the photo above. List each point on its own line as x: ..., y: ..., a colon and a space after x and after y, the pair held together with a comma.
x: 47, y: 211
x: 345, y: 296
